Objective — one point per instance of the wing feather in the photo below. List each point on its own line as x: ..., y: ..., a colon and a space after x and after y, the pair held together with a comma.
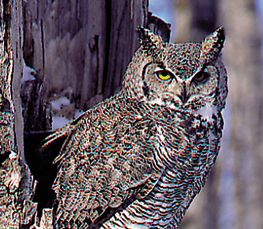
x: 105, y: 163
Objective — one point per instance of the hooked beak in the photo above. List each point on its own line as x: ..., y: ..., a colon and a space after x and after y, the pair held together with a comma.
x: 184, y: 96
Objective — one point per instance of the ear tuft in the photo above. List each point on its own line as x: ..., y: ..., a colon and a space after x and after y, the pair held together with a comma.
x: 213, y: 44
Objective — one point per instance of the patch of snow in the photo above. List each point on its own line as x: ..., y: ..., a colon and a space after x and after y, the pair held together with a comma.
x: 64, y: 112
x: 58, y: 122
x: 28, y: 73
x: 35, y: 25
x: 60, y: 102
x: 78, y: 113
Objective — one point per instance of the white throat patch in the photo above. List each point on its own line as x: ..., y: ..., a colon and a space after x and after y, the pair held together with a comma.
x: 207, y: 111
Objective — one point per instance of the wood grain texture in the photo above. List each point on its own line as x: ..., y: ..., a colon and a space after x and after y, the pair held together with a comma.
x: 84, y: 45
x: 16, y: 183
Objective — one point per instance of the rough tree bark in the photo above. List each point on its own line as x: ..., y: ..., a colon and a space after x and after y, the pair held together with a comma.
x: 83, y: 46
x: 16, y: 183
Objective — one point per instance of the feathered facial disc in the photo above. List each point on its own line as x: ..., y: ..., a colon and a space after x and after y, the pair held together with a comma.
x: 187, y: 76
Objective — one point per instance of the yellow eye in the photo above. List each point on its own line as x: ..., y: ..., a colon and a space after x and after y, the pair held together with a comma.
x: 164, y: 75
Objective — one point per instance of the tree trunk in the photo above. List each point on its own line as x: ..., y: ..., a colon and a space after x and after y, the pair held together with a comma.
x: 82, y: 46
x: 80, y: 49
x: 16, y: 183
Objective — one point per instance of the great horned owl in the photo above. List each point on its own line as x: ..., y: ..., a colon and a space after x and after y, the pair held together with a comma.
x: 138, y: 159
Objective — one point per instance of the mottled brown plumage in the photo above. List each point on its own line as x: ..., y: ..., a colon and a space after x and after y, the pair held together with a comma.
x: 138, y: 159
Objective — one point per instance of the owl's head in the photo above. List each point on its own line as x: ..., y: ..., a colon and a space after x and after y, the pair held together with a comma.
x: 188, y: 76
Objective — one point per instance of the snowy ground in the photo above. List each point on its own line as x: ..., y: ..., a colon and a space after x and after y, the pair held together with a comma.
x: 63, y: 110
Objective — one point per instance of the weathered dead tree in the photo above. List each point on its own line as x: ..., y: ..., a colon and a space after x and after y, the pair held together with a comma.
x: 16, y: 183
x: 84, y: 46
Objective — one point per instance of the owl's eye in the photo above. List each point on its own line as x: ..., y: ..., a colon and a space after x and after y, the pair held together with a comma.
x: 201, y: 77
x: 164, y: 75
